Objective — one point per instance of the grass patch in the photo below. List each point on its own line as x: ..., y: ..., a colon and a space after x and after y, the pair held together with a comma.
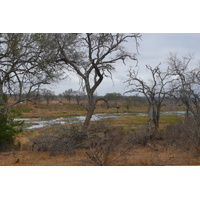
x: 24, y: 108
x: 128, y: 121
x: 136, y: 122
x: 169, y: 119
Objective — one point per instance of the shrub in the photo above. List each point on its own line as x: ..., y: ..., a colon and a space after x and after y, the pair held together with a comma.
x: 59, y: 140
x: 105, y: 149
x: 102, y: 143
x: 185, y: 134
x: 8, y: 126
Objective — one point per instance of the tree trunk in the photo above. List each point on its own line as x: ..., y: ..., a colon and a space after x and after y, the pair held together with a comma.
x: 150, y: 119
x: 187, y: 110
x: 1, y: 92
x: 88, y: 118
x: 153, y: 120
x: 90, y: 111
x: 78, y: 101
x: 156, y: 118
x: 1, y: 99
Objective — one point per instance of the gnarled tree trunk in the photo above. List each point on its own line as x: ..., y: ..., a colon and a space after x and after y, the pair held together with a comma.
x: 90, y: 110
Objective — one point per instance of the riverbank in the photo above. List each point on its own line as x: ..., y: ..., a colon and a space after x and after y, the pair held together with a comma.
x: 66, y: 109
x: 122, y: 118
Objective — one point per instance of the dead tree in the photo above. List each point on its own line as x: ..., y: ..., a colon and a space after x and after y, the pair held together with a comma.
x: 155, y: 92
x: 186, y: 91
x: 187, y: 85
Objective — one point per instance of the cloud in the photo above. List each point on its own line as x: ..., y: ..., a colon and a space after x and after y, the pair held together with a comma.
x: 154, y: 48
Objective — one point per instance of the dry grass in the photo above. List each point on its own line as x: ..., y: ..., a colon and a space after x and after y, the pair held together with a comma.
x: 24, y: 158
x: 62, y: 108
x: 139, y: 156
x: 153, y: 153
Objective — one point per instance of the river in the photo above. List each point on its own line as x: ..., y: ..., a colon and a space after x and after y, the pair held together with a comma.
x: 34, y: 123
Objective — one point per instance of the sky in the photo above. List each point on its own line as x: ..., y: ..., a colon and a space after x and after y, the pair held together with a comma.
x: 154, y: 49
x: 166, y: 27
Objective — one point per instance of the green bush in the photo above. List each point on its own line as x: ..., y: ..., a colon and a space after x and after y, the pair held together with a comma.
x: 8, y: 126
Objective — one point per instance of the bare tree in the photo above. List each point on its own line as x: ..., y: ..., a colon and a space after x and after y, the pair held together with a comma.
x: 155, y: 92
x: 25, y: 64
x: 24, y: 67
x: 48, y: 95
x: 92, y: 58
x: 186, y: 88
x: 68, y: 94
x: 79, y: 95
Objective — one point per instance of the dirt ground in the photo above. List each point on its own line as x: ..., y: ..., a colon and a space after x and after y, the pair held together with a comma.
x: 138, y: 156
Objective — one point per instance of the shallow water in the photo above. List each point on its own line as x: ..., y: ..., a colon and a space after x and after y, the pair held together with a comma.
x: 33, y: 123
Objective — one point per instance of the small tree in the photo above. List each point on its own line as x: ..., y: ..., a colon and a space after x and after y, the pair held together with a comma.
x: 186, y: 88
x: 68, y: 94
x: 48, y: 95
x: 79, y: 95
x: 155, y: 92
x: 113, y: 96
x: 8, y: 126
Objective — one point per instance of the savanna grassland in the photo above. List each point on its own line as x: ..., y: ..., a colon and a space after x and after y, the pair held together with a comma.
x: 119, y: 140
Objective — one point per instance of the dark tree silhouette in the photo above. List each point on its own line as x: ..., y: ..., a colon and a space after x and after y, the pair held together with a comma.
x: 92, y: 58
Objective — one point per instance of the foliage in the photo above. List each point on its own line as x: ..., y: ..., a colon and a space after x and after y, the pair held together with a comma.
x: 8, y: 126
x: 26, y: 63
x: 68, y: 94
x: 113, y: 96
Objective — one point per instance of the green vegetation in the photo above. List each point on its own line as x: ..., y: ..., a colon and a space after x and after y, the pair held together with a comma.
x: 23, y: 108
x: 8, y: 126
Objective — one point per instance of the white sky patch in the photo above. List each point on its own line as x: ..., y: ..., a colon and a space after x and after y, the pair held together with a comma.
x: 154, y: 49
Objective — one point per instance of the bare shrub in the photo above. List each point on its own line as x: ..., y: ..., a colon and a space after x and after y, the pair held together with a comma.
x: 108, y: 148
x: 103, y: 144
x: 138, y: 136
x: 60, y: 140
x: 185, y: 134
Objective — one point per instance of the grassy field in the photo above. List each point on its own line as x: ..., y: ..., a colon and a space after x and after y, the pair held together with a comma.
x: 150, y: 153
x: 58, y: 108
x: 129, y: 121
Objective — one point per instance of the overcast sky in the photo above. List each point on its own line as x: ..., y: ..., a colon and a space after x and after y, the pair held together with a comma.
x: 154, y: 48
x: 166, y: 16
